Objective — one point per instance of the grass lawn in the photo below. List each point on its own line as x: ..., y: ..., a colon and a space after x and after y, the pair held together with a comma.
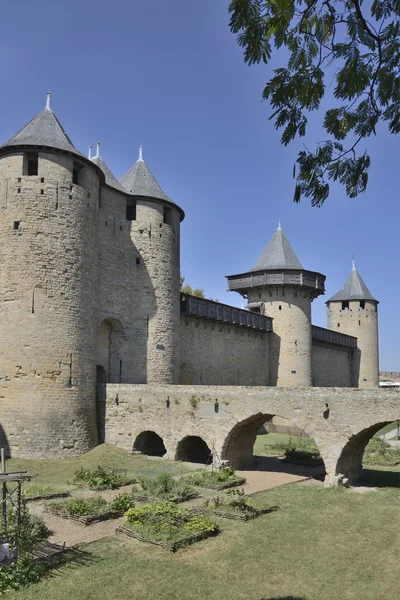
x: 276, y: 440
x: 323, y: 544
x: 56, y: 473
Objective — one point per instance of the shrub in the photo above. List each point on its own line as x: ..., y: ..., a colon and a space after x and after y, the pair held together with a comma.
x: 122, y: 502
x: 20, y: 574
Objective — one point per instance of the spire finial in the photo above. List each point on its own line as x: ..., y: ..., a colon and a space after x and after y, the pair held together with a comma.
x: 279, y: 224
x: 354, y: 265
x: 90, y: 152
x: 140, y: 153
x: 98, y: 149
x: 48, y: 100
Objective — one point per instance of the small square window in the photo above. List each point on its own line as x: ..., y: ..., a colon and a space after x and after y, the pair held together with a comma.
x: 362, y: 304
x: 138, y: 260
x: 345, y: 305
x: 16, y: 225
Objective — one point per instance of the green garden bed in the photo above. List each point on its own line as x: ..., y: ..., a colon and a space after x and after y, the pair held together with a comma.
x: 234, y: 505
x: 101, y: 479
x: 223, y: 479
x: 166, y: 525
x: 162, y: 486
x: 91, y: 510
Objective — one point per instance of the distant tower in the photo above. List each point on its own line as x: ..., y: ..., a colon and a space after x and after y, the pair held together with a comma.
x: 279, y: 287
x: 353, y: 310
x: 155, y: 230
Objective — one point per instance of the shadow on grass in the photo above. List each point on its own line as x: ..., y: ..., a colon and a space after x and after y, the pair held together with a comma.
x: 274, y: 464
x: 70, y: 559
x: 380, y: 478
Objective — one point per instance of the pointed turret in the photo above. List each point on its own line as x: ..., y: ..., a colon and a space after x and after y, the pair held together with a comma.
x: 43, y: 130
x: 278, y: 254
x: 354, y: 289
x: 279, y: 287
x: 354, y: 311
x: 111, y: 180
x: 140, y: 181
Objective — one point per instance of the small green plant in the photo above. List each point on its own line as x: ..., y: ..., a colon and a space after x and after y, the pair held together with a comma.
x: 20, y: 574
x: 122, y: 502
x: 194, y: 401
x: 234, y: 500
x: 100, y: 478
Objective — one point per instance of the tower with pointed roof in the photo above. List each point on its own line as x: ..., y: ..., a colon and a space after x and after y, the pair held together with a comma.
x: 354, y: 311
x: 280, y: 288
x: 89, y: 287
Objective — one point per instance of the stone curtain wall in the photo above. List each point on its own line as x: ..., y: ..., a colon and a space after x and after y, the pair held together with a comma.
x: 222, y: 354
x: 332, y: 365
x: 228, y: 418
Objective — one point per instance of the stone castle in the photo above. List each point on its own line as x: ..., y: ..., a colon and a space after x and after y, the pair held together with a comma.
x: 90, y: 294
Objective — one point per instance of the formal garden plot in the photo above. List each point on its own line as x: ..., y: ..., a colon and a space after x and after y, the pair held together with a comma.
x: 216, y: 480
x: 166, y: 525
x: 91, y: 510
x: 162, y: 486
x: 234, y: 505
x: 101, y: 479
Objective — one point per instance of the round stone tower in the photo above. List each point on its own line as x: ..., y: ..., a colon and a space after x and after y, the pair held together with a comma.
x: 353, y: 310
x: 155, y: 230
x: 279, y: 287
x: 48, y: 204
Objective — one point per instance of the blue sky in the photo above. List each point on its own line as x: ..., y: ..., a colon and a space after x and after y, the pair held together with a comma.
x: 168, y: 74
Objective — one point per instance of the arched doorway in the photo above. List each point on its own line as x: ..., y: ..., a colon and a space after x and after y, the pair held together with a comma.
x: 109, y: 366
x: 194, y: 449
x: 149, y: 443
x: 110, y: 342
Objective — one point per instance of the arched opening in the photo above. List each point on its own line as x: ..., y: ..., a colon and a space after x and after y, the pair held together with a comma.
x: 110, y: 341
x: 149, y: 443
x: 350, y: 463
x: 238, y: 446
x: 194, y: 449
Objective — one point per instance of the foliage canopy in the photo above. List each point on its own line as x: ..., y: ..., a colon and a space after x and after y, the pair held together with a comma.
x: 361, y: 43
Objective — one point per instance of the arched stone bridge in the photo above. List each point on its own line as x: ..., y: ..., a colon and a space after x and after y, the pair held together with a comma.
x: 227, y: 419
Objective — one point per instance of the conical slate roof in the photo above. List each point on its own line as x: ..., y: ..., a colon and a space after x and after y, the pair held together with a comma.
x: 278, y: 254
x: 354, y: 289
x: 44, y: 130
x: 140, y: 181
x: 111, y: 180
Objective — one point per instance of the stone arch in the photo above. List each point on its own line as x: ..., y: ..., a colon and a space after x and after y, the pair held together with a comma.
x: 349, y: 463
x: 150, y: 443
x: 193, y: 448
x: 238, y: 445
x: 4, y: 443
x: 110, y: 346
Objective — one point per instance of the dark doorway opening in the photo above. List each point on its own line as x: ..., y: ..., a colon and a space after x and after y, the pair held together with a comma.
x: 194, y: 449
x: 148, y: 442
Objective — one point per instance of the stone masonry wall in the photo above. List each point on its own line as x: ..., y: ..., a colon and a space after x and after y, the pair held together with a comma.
x: 228, y: 418
x: 331, y: 365
x: 222, y: 354
x: 48, y: 270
